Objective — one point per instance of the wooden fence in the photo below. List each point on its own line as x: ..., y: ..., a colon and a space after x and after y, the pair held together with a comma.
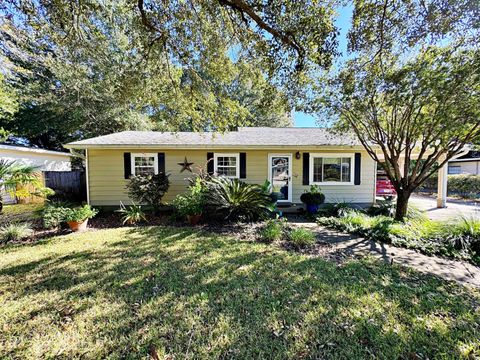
x: 68, y: 185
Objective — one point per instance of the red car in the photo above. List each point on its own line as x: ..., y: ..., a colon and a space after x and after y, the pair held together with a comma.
x: 385, y: 188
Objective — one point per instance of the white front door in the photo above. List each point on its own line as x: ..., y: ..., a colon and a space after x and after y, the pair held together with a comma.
x: 280, y: 176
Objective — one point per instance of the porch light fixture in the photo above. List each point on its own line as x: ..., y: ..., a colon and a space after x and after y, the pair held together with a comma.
x: 297, y: 155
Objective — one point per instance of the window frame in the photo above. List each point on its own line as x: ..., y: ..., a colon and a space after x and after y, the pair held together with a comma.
x: 139, y: 155
x: 457, y: 167
x: 313, y: 156
x: 237, y: 167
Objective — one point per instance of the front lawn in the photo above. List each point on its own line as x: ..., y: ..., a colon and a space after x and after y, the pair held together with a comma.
x: 179, y: 293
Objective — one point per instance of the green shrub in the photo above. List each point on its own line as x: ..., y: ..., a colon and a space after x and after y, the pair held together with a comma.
x: 15, y: 232
x: 231, y: 200
x: 272, y: 230
x: 80, y: 214
x: 53, y: 214
x: 132, y: 214
x: 193, y: 202
x: 301, y: 238
x: 335, y: 209
x: 464, y: 185
x: 148, y: 189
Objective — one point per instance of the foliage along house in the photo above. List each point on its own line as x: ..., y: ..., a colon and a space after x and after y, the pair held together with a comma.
x: 292, y: 159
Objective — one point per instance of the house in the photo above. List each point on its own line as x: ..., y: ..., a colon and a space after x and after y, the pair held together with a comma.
x: 45, y: 160
x: 468, y: 164
x: 292, y: 159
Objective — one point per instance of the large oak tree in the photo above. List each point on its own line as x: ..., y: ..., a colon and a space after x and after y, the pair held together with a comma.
x: 91, y: 67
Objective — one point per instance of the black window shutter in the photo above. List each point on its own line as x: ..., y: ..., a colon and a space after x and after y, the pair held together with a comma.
x: 306, y: 168
x: 210, y: 168
x: 243, y: 165
x: 127, y: 165
x: 358, y: 165
x: 161, y: 163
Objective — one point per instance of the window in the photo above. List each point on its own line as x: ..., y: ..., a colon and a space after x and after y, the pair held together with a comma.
x: 227, y: 165
x: 331, y: 168
x: 454, y: 169
x: 144, y: 164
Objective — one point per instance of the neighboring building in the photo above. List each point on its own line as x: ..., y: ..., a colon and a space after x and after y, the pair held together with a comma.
x: 45, y: 160
x: 290, y: 158
x: 468, y: 164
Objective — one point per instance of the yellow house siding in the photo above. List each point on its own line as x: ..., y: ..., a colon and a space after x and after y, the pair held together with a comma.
x: 107, y: 183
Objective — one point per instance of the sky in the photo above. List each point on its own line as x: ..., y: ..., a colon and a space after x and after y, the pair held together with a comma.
x: 343, y: 23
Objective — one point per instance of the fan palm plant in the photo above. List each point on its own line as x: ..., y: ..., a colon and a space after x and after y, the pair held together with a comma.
x: 14, y: 177
x: 235, y: 200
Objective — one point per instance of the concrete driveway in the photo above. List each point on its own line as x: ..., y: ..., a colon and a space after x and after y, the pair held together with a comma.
x: 454, y: 209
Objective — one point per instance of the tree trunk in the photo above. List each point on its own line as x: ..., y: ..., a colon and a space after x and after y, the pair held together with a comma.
x: 402, y: 205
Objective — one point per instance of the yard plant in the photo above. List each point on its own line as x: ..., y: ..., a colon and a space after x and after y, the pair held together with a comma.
x: 15, y: 231
x: 132, y: 214
x: 148, y: 189
x: 234, y: 200
x: 459, y: 238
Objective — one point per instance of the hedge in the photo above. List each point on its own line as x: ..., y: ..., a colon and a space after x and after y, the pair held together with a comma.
x: 463, y: 185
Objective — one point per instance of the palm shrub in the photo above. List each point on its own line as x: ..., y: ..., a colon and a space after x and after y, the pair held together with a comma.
x: 148, y: 189
x: 232, y: 199
x: 15, y: 231
x: 15, y: 177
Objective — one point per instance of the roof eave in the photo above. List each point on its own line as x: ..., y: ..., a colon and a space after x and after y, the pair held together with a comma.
x: 209, y: 146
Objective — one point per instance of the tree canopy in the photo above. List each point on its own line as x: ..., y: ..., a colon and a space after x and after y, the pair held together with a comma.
x: 93, y: 67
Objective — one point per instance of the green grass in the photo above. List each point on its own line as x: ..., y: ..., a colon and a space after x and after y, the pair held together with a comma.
x: 19, y: 212
x: 128, y: 292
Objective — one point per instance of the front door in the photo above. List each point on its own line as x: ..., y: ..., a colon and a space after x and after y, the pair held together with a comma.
x: 280, y: 176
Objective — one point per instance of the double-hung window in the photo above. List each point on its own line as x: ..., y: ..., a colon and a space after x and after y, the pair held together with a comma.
x: 227, y: 165
x: 144, y: 163
x: 331, y: 169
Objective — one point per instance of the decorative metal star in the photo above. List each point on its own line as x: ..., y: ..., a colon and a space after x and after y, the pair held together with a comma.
x: 186, y: 165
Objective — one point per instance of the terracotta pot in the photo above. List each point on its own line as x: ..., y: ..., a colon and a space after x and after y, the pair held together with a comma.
x: 78, y: 225
x: 194, y: 219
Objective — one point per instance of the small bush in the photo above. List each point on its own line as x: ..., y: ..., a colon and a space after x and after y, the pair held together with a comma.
x: 272, y: 231
x: 132, y: 214
x: 193, y: 202
x: 335, y: 209
x: 15, y: 232
x: 148, y: 189
x: 301, y: 238
x: 53, y: 214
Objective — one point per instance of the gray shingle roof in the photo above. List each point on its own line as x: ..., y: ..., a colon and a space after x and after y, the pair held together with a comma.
x: 244, y: 137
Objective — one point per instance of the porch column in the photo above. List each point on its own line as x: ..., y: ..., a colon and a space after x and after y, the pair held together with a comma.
x: 442, y: 186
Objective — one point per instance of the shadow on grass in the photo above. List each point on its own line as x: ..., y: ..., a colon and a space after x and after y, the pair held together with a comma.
x: 190, y: 293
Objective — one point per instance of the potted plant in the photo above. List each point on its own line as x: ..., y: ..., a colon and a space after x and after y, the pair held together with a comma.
x: 313, y: 199
x: 189, y: 206
x: 77, y: 218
